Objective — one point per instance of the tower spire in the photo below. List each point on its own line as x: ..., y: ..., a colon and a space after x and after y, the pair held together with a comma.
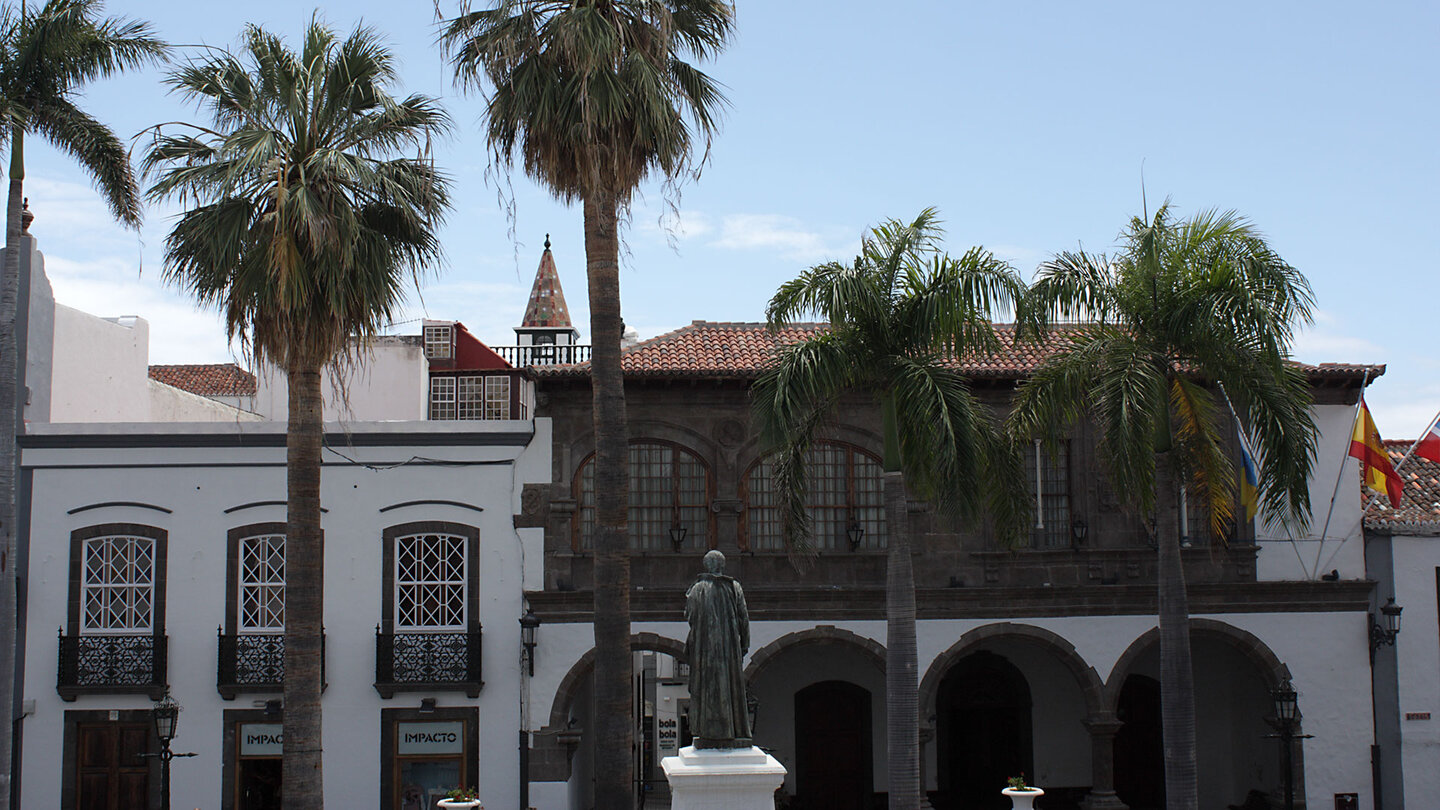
x: 546, y: 308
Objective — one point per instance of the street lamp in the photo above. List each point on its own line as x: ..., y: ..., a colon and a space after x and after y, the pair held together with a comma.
x: 678, y: 531
x: 166, y: 716
x: 1287, y: 720
x: 1078, y: 529
x: 855, y: 533
x: 529, y: 623
x: 1384, y: 634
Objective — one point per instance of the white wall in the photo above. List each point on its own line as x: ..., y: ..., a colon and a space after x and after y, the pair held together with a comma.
x: 100, y: 368
x: 197, y: 485
x: 171, y: 404
x: 1417, y: 648
x: 390, y: 383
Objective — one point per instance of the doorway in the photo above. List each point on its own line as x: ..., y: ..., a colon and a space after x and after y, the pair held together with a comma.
x: 111, y: 769
x: 984, y: 736
x: 1139, y: 752
x: 833, y: 747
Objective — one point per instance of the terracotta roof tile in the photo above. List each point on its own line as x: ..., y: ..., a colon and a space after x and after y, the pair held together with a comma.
x: 1419, y: 506
x: 742, y: 350
x: 216, y: 380
x: 546, y: 307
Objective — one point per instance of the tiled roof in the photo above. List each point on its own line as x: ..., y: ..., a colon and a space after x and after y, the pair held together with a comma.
x: 546, y: 307
x: 742, y: 350
x: 216, y: 380
x: 1419, y: 509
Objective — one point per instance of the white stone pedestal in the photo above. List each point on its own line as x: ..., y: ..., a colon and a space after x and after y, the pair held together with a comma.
x: 725, y: 779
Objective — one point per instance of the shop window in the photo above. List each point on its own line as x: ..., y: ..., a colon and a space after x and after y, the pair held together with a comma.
x: 426, y: 754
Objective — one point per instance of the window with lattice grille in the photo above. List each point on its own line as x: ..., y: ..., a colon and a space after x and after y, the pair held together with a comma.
x: 430, y: 582
x: 442, y: 397
x: 118, y: 590
x: 497, y: 397
x: 262, y: 584
x: 669, y: 487
x: 844, y: 488
x: 1049, y: 475
x: 438, y: 342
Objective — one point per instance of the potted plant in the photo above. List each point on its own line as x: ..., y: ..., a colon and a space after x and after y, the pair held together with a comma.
x: 461, y: 798
x: 1022, y: 796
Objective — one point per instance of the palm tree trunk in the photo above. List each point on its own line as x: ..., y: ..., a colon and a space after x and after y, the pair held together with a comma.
x: 1177, y: 678
x: 302, y: 778
x: 10, y: 412
x: 902, y: 686
x: 613, y: 735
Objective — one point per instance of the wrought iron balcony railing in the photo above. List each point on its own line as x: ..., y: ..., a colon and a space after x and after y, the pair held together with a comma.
x: 543, y: 355
x: 254, y: 662
x: 111, y: 664
x: 423, y: 662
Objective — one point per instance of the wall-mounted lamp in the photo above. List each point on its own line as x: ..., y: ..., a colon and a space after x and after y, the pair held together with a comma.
x: 427, y: 705
x: 855, y: 533
x: 678, y: 531
x: 1078, y: 529
x: 529, y: 624
x: 1384, y: 634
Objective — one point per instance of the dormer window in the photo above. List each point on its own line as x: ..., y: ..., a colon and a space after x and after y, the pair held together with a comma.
x: 439, y: 342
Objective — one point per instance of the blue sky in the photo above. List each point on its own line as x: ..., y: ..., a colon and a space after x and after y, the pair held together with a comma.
x: 1026, y: 123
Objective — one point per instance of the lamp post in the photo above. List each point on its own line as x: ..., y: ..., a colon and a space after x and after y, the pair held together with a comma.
x: 166, y: 716
x: 1287, y: 720
x: 529, y: 623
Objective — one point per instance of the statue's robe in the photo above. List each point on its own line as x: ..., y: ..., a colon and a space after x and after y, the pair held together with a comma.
x: 719, y: 638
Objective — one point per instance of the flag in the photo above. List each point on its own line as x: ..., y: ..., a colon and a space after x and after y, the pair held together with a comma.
x: 1249, y: 479
x: 1375, y: 467
x: 1429, y: 446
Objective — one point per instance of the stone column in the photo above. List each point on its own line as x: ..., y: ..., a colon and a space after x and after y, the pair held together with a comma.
x: 1102, y: 764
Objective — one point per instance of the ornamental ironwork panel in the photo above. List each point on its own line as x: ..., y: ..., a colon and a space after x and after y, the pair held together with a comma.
x: 111, y: 663
x: 253, y: 662
x: 428, y: 660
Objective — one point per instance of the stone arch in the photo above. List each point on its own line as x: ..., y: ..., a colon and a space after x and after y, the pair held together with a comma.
x: 823, y: 634
x: 1247, y: 644
x: 749, y: 451
x: 570, y: 685
x: 583, y: 445
x: 1085, y: 676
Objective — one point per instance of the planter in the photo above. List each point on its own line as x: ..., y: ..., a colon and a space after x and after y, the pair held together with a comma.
x: 459, y: 804
x: 1023, y: 799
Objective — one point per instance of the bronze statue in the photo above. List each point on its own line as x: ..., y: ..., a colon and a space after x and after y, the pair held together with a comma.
x: 719, y: 638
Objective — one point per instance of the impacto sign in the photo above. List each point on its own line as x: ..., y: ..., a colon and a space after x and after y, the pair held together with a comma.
x: 261, y: 739
x: 430, y: 738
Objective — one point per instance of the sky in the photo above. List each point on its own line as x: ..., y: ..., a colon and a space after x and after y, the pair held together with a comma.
x: 1033, y: 127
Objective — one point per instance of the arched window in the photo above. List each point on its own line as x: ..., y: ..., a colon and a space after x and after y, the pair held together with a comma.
x: 669, y: 489
x: 844, y: 491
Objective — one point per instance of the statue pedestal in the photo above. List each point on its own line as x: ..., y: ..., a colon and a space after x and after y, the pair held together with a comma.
x: 723, y: 779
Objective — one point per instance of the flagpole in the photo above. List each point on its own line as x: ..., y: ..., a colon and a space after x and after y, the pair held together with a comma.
x: 1249, y: 450
x: 1414, y: 445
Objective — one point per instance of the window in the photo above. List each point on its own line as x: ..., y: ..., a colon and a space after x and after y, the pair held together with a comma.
x: 470, y: 397
x: 119, y: 585
x: 844, y: 489
x: 438, y: 340
x: 430, y: 582
x: 262, y: 584
x: 1196, y: 529
x: 1048, y: 477
x: 669, y: 488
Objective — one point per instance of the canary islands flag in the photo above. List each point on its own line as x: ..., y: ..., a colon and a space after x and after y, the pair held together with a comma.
x: 1249, y: 480
x: 1375, y: 468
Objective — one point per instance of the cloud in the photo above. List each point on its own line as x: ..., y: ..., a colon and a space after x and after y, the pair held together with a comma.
x: 786, y: 236
x: 1328, y: 341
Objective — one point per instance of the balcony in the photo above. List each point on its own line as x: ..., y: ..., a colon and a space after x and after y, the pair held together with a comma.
x: 427, y: 662
x: 254, y: 662
x: 543, y: 355
x: 111, y: 664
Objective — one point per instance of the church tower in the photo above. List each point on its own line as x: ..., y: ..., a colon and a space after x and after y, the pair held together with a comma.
x: 546, y: 325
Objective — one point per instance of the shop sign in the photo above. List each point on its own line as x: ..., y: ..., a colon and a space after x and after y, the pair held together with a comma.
x: 261, y: 739
x: 430, y: 738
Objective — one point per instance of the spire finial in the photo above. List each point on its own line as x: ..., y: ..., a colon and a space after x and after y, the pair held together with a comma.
x: 547, y: 241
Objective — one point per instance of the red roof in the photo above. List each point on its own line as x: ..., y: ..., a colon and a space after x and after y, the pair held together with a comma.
x: 1420, y: 504
x: 743, y: 350
x: 215, y: 380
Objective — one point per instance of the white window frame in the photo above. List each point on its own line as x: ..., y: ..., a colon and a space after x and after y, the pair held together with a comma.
x: 439, y: 342
x: 497, y: 396
x: 136, y: 583
x: 442, y: 399
x: 273, y: 582
x: 435, y: 584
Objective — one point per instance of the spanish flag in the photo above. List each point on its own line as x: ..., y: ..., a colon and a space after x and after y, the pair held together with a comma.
x: 1375, y: 467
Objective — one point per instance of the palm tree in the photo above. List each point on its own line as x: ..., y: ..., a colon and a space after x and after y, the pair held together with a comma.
x: 902, y: 316
x: 592, y: 96
x: 45, y: 58
x: 1186, y: 307
x: 303, y: 226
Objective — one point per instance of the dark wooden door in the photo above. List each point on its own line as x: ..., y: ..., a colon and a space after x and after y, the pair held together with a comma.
x: 110, y: 773
x: 832, y: 747
x: 259, y: 784
x: 984, y: 731
x: 1139, y: 751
